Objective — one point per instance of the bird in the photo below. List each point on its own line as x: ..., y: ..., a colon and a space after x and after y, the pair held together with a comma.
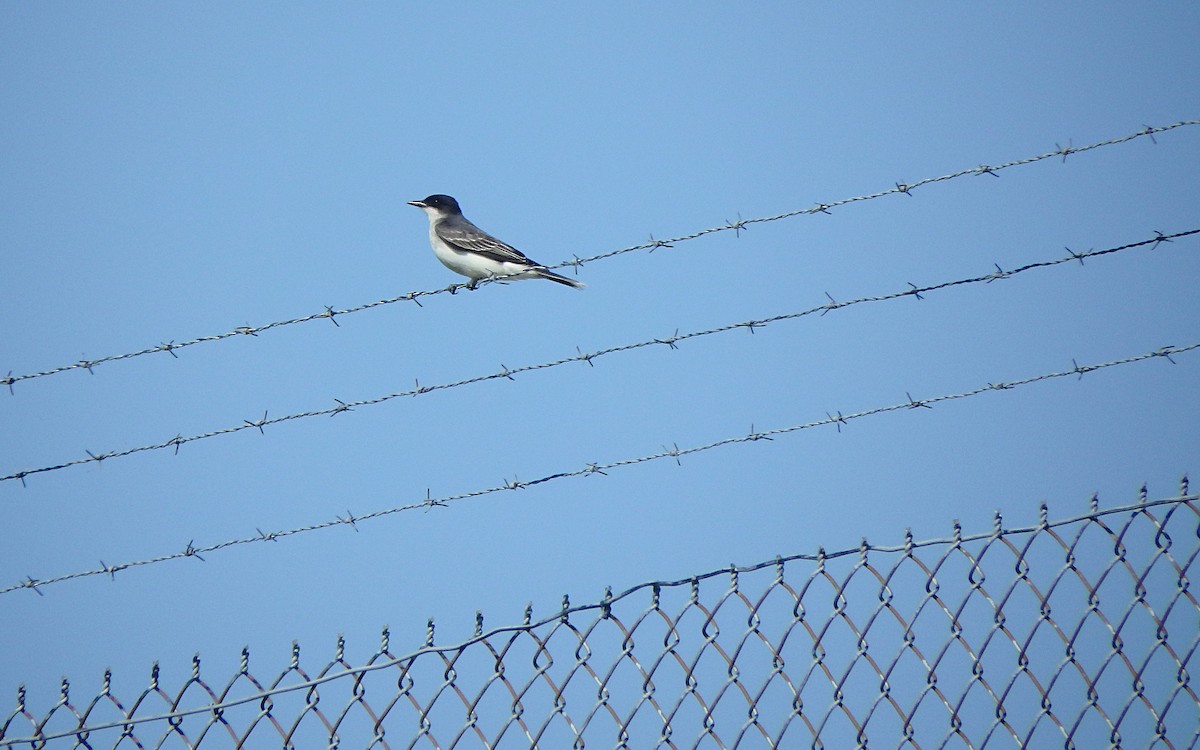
x: 466, y: 249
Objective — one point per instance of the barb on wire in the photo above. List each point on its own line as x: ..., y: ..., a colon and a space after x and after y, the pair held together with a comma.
x: 674, y: 452
x: 329, y: 313
x: 506, y: 373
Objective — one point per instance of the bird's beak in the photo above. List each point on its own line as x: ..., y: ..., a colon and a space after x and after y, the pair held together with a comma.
x: 418, y: 204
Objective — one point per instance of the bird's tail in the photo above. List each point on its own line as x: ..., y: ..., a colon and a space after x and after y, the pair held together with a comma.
x: 545, y: 274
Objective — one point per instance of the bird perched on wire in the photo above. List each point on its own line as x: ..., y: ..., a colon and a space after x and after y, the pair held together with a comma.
x: 465, y: 248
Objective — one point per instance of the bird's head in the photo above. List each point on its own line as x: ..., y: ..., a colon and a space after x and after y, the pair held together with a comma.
x: 438, y: 205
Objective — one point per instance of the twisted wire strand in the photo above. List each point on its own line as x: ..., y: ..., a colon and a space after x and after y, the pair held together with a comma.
x: 588, y: 357
x: 355, y: 674
x: 675, y: 452
x: 170, y: 347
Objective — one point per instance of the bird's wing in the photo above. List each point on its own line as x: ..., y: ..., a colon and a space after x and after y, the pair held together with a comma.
x: 467, y: 237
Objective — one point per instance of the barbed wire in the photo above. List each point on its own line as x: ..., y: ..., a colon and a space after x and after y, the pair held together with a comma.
x: 588, y: 357
x: 675, y: 452
x: 328, y: 313
x: 385, y: 659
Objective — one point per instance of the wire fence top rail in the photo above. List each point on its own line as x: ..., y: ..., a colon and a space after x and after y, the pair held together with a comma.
x: 837, y: 420
x: 328, y: 313
x: 967, y: 639
x: 506, y: 373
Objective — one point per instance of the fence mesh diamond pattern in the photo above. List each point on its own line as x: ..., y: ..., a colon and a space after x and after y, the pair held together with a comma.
x: 1074, y: 633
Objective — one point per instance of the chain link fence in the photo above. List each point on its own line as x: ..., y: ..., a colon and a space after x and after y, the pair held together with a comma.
x: 1076, y: 633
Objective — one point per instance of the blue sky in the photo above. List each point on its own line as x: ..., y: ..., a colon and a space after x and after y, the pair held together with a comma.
x: 170, y: 171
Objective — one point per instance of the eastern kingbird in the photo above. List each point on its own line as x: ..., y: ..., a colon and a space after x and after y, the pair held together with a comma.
x: 465, y: 248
